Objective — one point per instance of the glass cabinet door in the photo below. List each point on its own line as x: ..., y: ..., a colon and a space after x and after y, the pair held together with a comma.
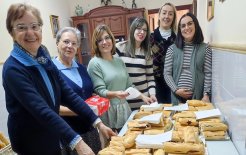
x: 84, y: 51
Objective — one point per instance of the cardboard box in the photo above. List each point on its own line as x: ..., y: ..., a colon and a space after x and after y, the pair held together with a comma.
x: 101, y: 103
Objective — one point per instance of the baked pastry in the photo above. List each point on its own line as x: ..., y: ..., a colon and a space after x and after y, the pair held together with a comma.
x: 177, y: 136
x: 184, y: 114
x: 188, y: 121
x: 138, y: 152
x: 3, y: 139
x: 136, y: 125
x: 141, y: 114
x: 207, y: 106
x: 159, y: 152
x: 214, y: 135
x: 129, y: 140
x: 190, y: 136
x: 186, y: 148
x: 196, y: 103
x: 153, y: 131
x: 211, y: 126
x: 110, y: 151
x: 2, y: 145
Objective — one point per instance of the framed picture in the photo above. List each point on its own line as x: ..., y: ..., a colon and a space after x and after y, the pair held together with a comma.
x: 54, y: 24
x: 210, y: 9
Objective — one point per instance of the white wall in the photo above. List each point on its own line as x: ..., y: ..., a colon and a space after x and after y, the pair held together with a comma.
x: 47, y: 8
x: 226, y: 31
x: 227, y: 26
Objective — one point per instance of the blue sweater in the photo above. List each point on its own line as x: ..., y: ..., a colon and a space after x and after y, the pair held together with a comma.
x: 34, y: 125
x: 80, y: 125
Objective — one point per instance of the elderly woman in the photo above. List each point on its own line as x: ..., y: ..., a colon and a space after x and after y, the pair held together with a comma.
x: 188, y: 64
x: 34, y: 89
x: 76, y: 76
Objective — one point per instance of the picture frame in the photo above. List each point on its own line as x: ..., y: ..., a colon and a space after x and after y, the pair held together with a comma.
x: 210, y: 9
x: 55, y: 26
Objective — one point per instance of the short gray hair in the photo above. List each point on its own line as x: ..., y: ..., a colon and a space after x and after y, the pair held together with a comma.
x: 69, y: 29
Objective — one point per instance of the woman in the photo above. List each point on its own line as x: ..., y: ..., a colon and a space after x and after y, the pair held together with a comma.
x: 188, y: 64
x: 110, y: 78
x: 34, y: 90
x: 76, y: 76
x: 162, y: 37
x: 138, y: 60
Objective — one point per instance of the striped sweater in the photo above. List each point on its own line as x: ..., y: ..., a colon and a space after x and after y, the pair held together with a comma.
x: 140, y: 71
x: 185, y: 80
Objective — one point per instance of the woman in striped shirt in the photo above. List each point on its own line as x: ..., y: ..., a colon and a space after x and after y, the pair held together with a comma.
x: 139, y: 63
x: 188, y: 63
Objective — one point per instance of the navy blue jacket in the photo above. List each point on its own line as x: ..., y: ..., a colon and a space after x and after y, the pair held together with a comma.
x: 34, y: 125
x: 85, y: 92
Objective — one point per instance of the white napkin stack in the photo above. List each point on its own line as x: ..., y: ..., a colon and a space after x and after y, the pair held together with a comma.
x: 153, y: 141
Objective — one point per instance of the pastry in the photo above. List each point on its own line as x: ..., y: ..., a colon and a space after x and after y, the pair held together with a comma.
x: 159, y: 152
x: 153, y: 132
x: 3, y: 139
x: 188, y: 121
x: 196, y: 103
x: 211, y: 126
x: 187, y: 148
x: 213, y: 135
x: 141, y: 114
x: 138, y: 152
x: 129, y: 140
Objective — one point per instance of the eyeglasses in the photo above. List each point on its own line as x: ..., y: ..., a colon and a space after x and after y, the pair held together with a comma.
x: 139, y: 30
x: 69, y: 42
x: 106, y: 38
x: 32, y: 26
x: 182, y: 26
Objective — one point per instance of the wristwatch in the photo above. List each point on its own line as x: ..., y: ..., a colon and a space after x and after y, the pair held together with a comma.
x: 207, y: 93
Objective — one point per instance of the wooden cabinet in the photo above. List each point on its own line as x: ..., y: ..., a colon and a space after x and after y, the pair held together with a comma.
x: 116, y: 17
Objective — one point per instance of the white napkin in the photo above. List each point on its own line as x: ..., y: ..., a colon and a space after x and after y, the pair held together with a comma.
x: 153, y: 141
x: 207, y: 113
x: 133, y: 93
x: 153, y: 118
x: 151, y: 107
x: 180, y: 107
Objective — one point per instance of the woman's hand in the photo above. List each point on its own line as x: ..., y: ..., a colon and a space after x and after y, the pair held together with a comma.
x: 106, y: 131
x: 153, y: 97
x: 146, y: 99
x: 184, y: 93
x: 83, y: 149
x: 121, y: 94
x: 206, y: 98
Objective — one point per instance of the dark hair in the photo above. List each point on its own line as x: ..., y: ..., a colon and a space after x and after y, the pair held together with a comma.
x: 131, y: 44
x: 96, y: 36
x: 174, y: 22
x: 17, y: 11
x: 198, y: 36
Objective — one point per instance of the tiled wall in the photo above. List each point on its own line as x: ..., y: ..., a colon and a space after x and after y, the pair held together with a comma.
x: 229, y: 93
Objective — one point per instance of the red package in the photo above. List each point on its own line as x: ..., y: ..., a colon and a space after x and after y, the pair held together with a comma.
x: 101, y: 103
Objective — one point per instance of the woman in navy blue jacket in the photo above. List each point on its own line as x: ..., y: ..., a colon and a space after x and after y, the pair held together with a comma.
x: 34, y: 90
x: 77, y: 77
